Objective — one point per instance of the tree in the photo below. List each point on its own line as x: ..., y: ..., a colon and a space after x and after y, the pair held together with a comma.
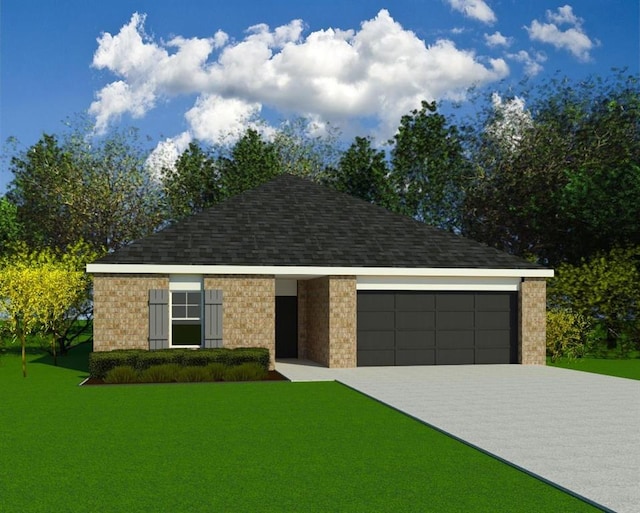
x: 363, y: 172
x: 428, y: 168
x: 193, y: 185
x: 567, y: 186
x: 252, y: 161
x: 83, y: 188
x: 604, y: 289
x: 38, y: 290
x: 10, y: 230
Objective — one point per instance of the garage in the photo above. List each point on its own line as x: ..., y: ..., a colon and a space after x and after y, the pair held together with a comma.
x: 436, y: 328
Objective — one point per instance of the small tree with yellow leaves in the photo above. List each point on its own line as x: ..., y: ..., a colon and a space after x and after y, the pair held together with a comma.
x: 38, y: 289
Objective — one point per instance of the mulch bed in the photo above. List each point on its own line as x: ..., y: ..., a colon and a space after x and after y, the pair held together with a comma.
x: 272, y: 376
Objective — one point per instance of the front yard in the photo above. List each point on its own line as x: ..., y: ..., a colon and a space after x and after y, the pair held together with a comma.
x: 270, y: 446
x: 629, y: 368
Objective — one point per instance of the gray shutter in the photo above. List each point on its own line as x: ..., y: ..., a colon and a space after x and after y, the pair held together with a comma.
x: 158, y: 319
x: 212, y: 318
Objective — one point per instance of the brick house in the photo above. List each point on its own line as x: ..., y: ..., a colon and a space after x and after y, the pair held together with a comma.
x: 311, y: 273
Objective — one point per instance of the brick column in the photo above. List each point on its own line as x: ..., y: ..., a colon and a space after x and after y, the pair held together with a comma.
x: 342, y: 321
x: 532, y: 325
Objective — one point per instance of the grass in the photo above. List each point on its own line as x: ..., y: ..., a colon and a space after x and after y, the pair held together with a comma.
x: 271, y: 446
x: 629, y: 368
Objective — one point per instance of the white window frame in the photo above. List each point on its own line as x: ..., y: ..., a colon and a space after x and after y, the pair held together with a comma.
x: 186, y: 283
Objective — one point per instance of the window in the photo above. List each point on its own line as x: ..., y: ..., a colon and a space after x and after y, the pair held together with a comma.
x: 185, y: 307
x: 186, y: 318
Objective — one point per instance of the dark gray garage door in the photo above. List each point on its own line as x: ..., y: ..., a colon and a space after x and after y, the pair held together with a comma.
x: 436, y: 328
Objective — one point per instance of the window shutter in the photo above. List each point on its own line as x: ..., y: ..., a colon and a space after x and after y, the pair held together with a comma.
x: 212, y: 318
x: 158, y: 319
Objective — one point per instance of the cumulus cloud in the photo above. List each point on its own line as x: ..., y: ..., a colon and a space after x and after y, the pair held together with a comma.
x: 532, y: 63
x: 573, y: 39
x: 497, y: 39
x: 510, y: 121
x: 375, y: 73
x: 165, y: 154
x: 476, y: 9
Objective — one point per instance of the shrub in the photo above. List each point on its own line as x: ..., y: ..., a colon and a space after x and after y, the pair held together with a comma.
x: 121, y: 374
x: 250, y: 371
x: 194, y: 374
x: 566, y: 334
x: 216, y: 371
x: 102, y: 362
x: 165, y: 373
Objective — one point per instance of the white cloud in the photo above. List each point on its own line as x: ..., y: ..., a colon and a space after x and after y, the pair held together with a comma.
x: 573, y: 39
x: 532, y: 63
x: 165, y: 154
x: 378, y: 72
x: 497, y: 39
x: 476, y: 9
x: 510, y: 122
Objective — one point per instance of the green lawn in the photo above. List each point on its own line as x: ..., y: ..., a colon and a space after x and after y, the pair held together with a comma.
x: 255, y: 447
x: 629, y: 368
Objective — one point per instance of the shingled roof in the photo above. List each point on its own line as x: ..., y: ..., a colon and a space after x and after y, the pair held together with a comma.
x: 291, y: 221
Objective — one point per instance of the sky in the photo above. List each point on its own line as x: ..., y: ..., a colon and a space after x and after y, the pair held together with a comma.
x: 183, y: 70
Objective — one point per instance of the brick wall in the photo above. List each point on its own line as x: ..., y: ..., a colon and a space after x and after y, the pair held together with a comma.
x: 342, y: 321
x: 327, y: 320
x: 313, y: 338
x: 121, y: 310
x: 248, y: 306
x: 532, y: 328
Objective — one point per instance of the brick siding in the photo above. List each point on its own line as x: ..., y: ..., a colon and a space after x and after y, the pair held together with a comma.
x: 532, y: 308
x: 121, y: 310
x: 249, y: 310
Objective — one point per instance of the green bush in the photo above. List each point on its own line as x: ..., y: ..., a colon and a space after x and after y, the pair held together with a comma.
x: 216, y: 371
x: 249, y: 371
x: 566, y: 334
x: 163, y: 373
x: 194, y: 374
x: 120, y: 375
x: 101, y: 362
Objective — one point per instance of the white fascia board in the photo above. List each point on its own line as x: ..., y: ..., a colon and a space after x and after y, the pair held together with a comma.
x: 311, y: 272
x: 438, y: 283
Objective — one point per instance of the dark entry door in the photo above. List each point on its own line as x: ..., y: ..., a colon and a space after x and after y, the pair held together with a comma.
x: 436, y: 328
x: 286, y: 327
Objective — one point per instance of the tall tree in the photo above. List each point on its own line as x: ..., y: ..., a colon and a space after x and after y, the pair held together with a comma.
x: 428, y: 167
x: 37, y: 290
x: 252, y: 161
x: 193, y: 184
x: 568, y: 187
x: 363, y: 172
x: 83, y: 188
x: 10, y: 229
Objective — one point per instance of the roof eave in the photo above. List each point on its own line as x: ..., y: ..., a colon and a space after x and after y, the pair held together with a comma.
x: 313, y: 271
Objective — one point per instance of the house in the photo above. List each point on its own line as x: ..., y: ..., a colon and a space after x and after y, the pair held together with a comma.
x: 311, y: 273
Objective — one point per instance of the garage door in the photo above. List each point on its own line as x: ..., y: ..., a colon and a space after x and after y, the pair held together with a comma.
x: 436, y: 328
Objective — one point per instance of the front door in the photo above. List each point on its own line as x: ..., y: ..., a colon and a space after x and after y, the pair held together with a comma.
x: 286, y: 327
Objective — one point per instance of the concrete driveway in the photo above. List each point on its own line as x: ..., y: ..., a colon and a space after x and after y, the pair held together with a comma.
x: 578, y: 430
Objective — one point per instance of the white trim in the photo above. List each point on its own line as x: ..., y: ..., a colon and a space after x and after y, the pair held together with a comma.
x: 185, y: 282
x: 437, y: 283
x: 314, y: 272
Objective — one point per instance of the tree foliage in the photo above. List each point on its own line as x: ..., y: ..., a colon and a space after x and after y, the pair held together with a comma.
x: 428, y: 168
x: 82, y: 188
x: 363, y: 172
x: 604, y: 289
x: 42, y: 292
x: 10, y: 229
x: 193, y: 184
x: 567, y: 187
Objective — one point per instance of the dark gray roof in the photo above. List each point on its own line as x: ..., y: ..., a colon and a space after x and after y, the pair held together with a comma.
x: 292, y: 221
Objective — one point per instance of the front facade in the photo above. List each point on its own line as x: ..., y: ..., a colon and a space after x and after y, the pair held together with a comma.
x: 360, y: 287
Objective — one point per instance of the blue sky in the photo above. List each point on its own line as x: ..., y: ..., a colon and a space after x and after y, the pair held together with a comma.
x: 195, y: 69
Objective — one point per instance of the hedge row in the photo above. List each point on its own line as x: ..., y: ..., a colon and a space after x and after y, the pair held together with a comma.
x: 102, y: 362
